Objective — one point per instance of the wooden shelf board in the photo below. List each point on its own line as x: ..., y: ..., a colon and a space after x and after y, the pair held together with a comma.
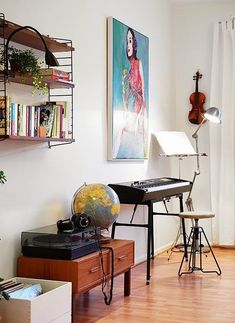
x: 52, y: 84
x: 42, y: 139
x: 31, y: 39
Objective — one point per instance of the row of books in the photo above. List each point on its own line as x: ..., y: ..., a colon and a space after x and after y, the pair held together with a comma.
x: 13, y: 289
x: 49, y: 119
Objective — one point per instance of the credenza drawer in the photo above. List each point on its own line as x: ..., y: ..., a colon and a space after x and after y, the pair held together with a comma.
x: 90, y: 272
x: 124, y: 258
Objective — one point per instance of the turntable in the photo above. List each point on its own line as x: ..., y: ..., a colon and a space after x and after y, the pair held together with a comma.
x: 47, y: 242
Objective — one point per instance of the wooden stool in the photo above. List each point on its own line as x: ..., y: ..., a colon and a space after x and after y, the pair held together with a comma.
x: 196, y: 242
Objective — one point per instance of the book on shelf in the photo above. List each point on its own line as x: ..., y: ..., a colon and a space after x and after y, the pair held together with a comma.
x: 53, y: 78
x: 67, y: 119
x: 14, y: 119
x: 4, y: 115
x: 32, y: 129
x: 46, y: 119
x: 22, y: 121
x: 56, y: 131
x: 55, y: 74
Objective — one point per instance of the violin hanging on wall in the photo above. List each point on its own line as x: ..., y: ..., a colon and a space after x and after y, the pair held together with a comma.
x: 197, y: 99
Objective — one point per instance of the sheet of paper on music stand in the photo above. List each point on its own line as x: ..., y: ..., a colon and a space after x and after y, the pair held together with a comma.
x: 174, y: 143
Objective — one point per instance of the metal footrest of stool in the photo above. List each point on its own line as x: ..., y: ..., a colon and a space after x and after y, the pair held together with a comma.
x: 197, y: 249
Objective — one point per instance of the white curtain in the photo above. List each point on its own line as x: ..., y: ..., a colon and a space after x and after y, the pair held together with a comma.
x: 222, y: 137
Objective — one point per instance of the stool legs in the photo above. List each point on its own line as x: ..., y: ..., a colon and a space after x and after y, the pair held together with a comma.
x: 196, y: 248
x: 190, y: 258
x: 209, y: 271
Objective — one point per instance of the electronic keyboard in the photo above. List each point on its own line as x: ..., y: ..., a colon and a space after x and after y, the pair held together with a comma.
x: 156, y: 189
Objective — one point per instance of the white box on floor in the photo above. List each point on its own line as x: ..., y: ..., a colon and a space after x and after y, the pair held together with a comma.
x: 54, y: 305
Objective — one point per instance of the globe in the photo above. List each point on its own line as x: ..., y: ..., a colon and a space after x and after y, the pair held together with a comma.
x: 99, y: 202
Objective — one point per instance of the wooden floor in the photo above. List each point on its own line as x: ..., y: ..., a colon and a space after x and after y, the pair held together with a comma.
x: 198, y: 297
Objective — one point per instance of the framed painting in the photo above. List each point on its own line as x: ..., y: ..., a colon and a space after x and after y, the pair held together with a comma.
x: 128, y: 96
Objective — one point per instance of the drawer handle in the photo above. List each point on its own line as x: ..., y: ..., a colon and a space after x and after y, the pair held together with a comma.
x: 122, y: 257
x: 94, y: 270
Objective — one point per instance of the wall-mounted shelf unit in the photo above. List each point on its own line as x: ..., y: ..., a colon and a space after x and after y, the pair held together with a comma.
x: 59, y: 89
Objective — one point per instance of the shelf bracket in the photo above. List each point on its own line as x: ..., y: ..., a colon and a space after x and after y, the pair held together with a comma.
x: 60, y: 144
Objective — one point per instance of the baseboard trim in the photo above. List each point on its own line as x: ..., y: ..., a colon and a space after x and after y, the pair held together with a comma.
x: 232, y: 247
x: 157, y: 252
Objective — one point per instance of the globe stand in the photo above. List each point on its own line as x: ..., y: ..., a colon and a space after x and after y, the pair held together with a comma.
x: 101, y: 238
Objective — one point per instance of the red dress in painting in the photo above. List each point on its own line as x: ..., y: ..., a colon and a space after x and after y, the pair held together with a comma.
x: 135, y: 85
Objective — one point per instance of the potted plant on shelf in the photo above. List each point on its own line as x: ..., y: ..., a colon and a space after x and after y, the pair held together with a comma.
x: 25, y: 63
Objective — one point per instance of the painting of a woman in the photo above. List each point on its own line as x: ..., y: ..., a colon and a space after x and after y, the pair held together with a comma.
x: 130, y: 98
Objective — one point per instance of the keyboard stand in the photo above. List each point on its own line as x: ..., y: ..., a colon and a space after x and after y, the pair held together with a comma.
x: 150, y: 230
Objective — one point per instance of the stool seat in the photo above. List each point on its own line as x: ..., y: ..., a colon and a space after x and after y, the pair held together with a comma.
x: 196, y: 215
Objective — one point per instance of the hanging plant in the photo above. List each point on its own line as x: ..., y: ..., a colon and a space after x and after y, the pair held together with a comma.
x: 25, y: 63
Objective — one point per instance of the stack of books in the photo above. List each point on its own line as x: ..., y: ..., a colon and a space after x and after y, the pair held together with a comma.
x: 53, y: 74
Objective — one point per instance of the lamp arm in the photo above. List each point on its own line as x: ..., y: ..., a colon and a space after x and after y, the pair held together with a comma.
x: 197, y: 155
x: 189, y: 202
x: 12, y: 34
x: 194, y: 135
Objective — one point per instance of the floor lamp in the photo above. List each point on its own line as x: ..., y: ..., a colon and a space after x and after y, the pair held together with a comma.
x: 213, y: 115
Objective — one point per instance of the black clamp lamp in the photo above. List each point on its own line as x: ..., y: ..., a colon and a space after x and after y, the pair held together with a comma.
x: 50, y: 59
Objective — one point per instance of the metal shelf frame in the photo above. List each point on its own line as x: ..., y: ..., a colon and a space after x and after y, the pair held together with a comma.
x: 64, y: 54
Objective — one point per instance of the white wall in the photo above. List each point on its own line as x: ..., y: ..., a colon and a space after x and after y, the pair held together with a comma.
x: 193, y: 35
x: 42, y: 181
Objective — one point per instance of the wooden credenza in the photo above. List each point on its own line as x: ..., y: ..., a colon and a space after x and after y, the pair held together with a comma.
x: 85, y: 272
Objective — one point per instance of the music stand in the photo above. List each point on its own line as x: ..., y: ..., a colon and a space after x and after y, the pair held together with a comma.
x: 175, y: 144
